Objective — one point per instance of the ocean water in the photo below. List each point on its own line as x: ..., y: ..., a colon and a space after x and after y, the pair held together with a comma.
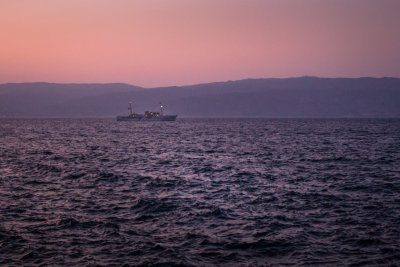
x: 201, y: 192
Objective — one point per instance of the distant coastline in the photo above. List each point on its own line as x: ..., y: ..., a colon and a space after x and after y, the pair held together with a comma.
x: 301, y: 97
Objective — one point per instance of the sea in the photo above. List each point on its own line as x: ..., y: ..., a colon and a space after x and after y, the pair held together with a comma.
x: 200, y: 192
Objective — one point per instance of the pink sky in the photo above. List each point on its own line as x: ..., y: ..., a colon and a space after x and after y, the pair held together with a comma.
x: 176, y: 42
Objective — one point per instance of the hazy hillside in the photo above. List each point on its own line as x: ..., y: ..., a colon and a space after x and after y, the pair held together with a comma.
x: 291, y: 97
x: 50, y: 99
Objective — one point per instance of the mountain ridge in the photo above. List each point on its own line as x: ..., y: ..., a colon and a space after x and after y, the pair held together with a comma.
x: 296, y: 97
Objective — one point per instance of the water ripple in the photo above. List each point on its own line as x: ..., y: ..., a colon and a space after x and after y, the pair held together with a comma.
x: 199, y: 192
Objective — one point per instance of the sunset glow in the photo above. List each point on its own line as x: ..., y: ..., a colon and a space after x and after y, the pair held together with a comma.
x: 158, y: 42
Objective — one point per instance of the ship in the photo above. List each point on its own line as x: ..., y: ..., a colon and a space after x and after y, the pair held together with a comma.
x: 148, y: 115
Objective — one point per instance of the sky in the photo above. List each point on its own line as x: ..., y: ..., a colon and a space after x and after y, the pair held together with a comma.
x: 178, y: 42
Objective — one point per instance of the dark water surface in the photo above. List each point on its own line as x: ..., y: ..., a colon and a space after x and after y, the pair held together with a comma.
x: 200, y: 192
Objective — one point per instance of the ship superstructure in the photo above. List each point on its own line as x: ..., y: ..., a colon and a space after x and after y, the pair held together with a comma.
x: 148, y: 115
x: 132, y: 116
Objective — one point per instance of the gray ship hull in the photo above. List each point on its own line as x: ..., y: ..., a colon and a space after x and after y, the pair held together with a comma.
x: 143, y: 118
x: 128, y: 118
x: 161, y: 118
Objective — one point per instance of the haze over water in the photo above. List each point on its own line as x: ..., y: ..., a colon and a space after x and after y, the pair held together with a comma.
x: 199, y: 192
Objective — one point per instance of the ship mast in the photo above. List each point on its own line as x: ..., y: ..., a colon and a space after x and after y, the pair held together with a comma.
x: 161, y: 109
x: 130, y: 108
